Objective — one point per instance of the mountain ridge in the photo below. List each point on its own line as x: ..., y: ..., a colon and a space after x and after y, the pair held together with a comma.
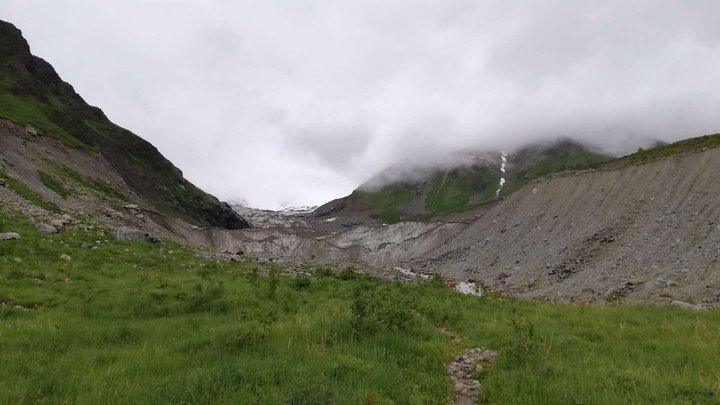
x: 33, y: 94
x: 472, y: 179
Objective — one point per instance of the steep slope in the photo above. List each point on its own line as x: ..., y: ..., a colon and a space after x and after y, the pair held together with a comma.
x: 636, y: 229
x: 648, y: 231
x: 31, y: 93
x: 401, y: 194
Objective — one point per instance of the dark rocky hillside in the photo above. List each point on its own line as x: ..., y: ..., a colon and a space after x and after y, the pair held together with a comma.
x: 32, y: 93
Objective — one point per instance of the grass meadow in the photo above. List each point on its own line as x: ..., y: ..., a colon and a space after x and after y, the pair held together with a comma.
x: 136, y: 323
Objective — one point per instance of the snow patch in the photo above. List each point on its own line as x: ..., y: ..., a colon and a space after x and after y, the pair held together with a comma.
x: 503, y: 157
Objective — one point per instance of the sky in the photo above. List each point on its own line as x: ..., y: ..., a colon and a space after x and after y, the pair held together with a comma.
x: 291, y: 102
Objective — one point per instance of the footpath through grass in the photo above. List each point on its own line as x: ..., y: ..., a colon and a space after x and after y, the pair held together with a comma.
x: 136, y: 323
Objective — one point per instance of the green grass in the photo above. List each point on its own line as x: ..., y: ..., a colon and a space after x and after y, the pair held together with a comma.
x: 387, y: 200
x: 152, y: 323
x: 688, y: 145
x: 559, y: 158
x: 50, y: 182
x: 32, y: 94
x: 29, y: 194
x: 97, y: 185
x: 575, y: 159
x: 26, y: 110
x: 461, y: 189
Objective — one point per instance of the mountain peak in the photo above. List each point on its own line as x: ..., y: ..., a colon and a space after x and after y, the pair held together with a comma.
x: 12, y: 42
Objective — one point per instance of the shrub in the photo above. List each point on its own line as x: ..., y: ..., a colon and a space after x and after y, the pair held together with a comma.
x: 302, y: 282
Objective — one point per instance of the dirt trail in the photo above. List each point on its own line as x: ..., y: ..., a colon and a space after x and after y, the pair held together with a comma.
x: 463, y: 370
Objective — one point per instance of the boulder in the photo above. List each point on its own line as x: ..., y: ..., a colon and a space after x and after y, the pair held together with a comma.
x: 59, y: 224
x: 686, y: 305
x: 130, y: 206
x: 126, y: 233
x: 46, y: 228
x: 30, y: 130
x: 65, y: 257
x: 9, y: 236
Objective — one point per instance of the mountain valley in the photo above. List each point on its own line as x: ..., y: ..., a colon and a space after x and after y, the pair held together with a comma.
x: 584, y: 277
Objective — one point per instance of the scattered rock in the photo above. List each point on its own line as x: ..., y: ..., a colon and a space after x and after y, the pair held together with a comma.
x: 469, y: 288
x: 9, y: 236
x: 686, y: 305
x: 46, y: 228
x: 125, y: 233
x: 59, y: 224
x: 461, y: 370
x: 21, y: 308
x: 112, y: 213
x: 65, y: 257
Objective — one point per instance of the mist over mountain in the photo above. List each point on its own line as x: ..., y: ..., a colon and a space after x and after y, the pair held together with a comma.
x: 494, y: 241
x: 289, y: 103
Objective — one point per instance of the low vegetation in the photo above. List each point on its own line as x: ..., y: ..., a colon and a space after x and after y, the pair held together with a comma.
x: 688, y: 145
x: 561, y: 157
x: 27, y: 193
x: 53, y: 184
x: 387, y: 200
x: 89, y: 184
x: 462, y: 188
x: 27, y: 110
x: 130, y: 322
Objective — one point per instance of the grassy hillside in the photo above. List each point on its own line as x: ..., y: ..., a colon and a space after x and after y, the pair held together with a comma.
x: 684, y: 146
x: 129, y: 322
x: 387, y: 200
x: 535, y: 162
x: 459, y: 189
x: 32, y: 93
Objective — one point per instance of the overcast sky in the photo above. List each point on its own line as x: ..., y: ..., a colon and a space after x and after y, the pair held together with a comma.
x: 291, y: 102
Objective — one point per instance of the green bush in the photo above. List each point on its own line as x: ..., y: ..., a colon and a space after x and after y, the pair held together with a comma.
x: 302, y: 282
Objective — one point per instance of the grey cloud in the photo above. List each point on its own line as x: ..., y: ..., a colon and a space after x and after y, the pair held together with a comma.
x: 291, y: 102
x: 336, y: 146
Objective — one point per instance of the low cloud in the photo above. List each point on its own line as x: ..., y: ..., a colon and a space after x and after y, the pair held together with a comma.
x: 292, y: 102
